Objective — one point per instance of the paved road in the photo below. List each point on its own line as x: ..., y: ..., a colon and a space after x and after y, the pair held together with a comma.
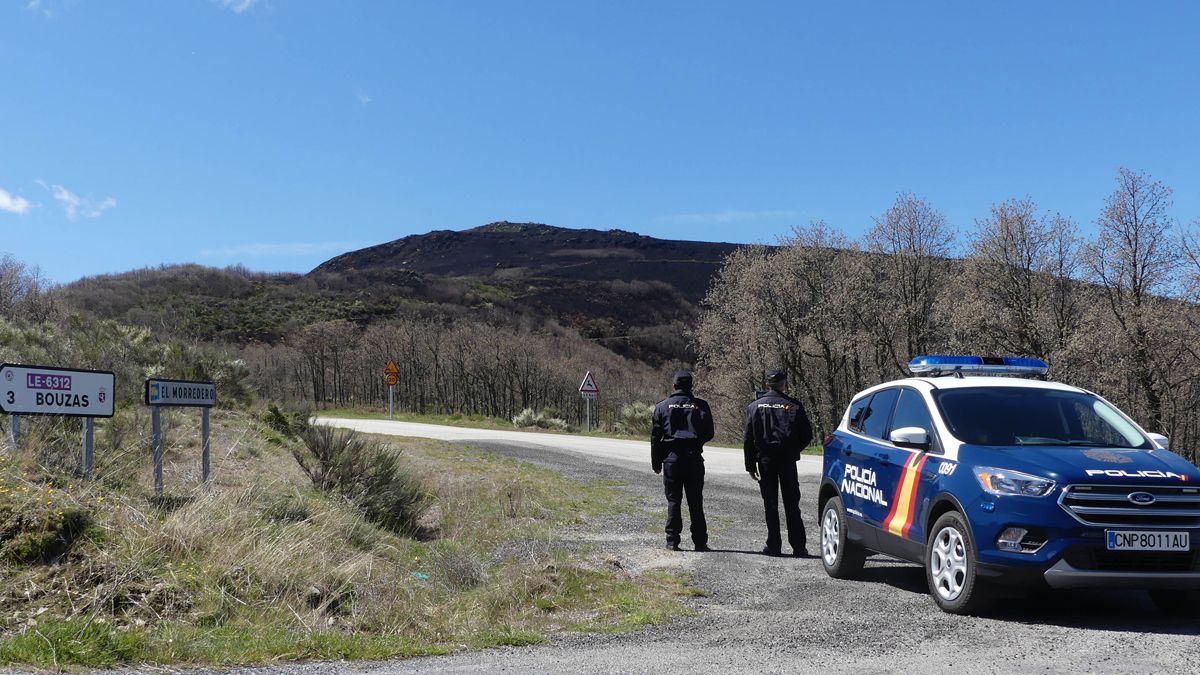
x: 785, y: 615
x: 716, y: 459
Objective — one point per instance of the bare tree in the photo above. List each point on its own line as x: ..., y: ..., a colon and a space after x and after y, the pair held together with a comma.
x: 1021, y: 268
x: 913, y: 241
x: 1134, y: 259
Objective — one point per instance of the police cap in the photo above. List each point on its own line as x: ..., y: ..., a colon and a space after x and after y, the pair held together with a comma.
x: 776, y: 375
x: 682, y: 379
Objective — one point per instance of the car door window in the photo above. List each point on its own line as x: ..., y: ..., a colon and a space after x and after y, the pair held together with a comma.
x: 858, y: 411
x: 875, y: 420
x: 911, y: 411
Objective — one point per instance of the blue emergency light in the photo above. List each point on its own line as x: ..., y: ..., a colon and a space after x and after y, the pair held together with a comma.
x: 995, y: 365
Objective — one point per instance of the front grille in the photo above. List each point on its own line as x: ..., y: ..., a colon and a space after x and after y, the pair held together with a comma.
x: 1110, y: 506
x: 1103, y: 560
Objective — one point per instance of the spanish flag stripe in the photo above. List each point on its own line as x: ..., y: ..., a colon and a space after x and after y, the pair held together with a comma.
x: 904, y: 502
x: 895, y: 502
x: 912, y: 507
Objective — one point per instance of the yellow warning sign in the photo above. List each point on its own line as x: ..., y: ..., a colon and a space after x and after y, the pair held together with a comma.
x: 392, y: 368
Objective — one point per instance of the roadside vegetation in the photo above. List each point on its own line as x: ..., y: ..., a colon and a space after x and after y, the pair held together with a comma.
x: 367, y: 549
x: 308, y: 543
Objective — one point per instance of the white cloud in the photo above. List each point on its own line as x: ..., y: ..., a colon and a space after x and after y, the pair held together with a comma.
x: 363, y: 99
x: 279, y: 249
x: 13, y: 203
x: 39, y: 7
x: 727, y: 217
x: 77, y: 207
x: 237, y: 6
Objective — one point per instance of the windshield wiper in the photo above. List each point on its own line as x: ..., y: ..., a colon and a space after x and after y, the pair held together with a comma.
x: 1039, y: 440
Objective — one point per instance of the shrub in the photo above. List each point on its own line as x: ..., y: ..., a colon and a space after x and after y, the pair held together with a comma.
x: 531, y: 419
x: 457, y: 567
x: 366, y: 471
x: 38, y: 521
x: 527, y: 418
x: 292, y: 423
x: 634, y: 418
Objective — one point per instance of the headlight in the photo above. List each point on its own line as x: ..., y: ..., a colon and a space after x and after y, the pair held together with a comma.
x: 1007, y: 482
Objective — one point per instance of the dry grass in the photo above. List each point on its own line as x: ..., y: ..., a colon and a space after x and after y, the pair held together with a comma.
x: 261, y: 566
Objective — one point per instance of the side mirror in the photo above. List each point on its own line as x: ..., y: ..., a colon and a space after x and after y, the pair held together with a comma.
x: 910, y: 437
x: 1161, y: 441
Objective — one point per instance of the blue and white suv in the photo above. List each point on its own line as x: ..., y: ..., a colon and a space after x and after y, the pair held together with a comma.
x: 989, y: 480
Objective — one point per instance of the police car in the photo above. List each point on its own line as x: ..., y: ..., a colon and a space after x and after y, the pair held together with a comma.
x: 988, y: 478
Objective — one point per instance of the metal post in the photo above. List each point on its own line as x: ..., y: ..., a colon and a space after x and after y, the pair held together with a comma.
x: 588, y: 427
x: 156, y: 424
x: 204, y: 446
x: 391, y: 402
x: 89, y: 435
x: 14, y: 428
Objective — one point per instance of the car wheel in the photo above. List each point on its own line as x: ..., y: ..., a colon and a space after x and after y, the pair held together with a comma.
x: 950, y: 566
x: 1177, y: 603
x: 842, y: 558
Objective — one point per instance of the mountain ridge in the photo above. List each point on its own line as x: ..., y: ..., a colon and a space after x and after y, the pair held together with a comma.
x: 505, y: 250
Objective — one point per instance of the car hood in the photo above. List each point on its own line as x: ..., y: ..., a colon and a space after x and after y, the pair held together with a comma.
x: 1071, y: 464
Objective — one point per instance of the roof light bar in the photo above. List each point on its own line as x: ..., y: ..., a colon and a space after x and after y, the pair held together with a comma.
x: 999, y: 365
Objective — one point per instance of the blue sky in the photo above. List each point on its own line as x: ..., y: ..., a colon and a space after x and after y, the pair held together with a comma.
x: 277, y: 133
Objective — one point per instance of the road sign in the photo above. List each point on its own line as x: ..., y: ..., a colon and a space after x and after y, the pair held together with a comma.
x: 588, y: 386
x: 45, y: 390
x: 180, y: 393
x: 391, y: 368
x: 393, y: 379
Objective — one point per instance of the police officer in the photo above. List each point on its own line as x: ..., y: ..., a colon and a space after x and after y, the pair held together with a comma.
x: 777, y: 431
x: 680, y: 427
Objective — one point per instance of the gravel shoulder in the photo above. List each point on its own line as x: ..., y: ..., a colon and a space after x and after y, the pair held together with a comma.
x: 764, y: 614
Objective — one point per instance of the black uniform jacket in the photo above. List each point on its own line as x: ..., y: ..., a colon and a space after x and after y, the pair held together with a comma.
x: 776, y: 428
x: 682, y: 424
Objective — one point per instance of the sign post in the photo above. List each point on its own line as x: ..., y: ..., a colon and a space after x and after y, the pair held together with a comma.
x: 179, y: 394
x: 89, y: 435
x: 589, y: 390
x: 62, y: 392
x: 392, y: 374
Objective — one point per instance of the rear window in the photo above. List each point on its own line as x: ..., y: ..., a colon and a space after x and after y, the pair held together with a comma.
x: 858, y: 411
x: 875, y: 420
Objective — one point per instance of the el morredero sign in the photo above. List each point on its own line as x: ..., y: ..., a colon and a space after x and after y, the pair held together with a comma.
x: 180, y: 393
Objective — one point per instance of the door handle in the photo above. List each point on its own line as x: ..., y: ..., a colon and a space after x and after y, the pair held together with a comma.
x: 883, y: 459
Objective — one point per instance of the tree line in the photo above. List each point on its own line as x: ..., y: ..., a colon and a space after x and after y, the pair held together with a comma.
x: 1115, y: 312
x: 466, y: 366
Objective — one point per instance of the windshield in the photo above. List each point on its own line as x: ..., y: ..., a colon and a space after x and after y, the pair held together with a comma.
x: 1029, y: 416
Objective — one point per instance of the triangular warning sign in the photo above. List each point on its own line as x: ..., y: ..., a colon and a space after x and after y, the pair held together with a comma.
x: 392, y: 368
x: 589, y: 385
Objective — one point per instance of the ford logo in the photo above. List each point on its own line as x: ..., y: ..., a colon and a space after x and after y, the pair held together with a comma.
x: 1142, y: 498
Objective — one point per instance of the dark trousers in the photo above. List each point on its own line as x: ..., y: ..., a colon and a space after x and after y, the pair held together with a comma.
x: 685, y: 475
x: 779, y: 476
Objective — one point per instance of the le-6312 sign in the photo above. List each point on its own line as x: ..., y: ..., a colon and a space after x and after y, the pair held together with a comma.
x: 42, y: 390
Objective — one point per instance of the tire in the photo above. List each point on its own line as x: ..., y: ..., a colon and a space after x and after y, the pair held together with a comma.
x: 951, y: 562
x: 842, y: 558
x: 1177, y: 603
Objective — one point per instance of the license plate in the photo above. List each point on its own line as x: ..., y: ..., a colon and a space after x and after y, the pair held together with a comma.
x: 1131, y: 540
